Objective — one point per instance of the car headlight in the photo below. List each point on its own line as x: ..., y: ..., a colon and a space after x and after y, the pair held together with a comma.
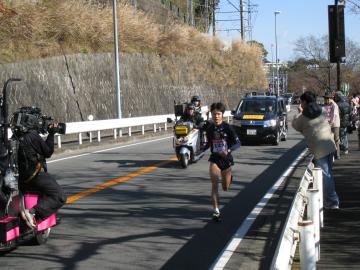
x: 270, y: 123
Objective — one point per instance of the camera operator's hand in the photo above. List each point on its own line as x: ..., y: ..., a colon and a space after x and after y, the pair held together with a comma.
x: 53, y: 128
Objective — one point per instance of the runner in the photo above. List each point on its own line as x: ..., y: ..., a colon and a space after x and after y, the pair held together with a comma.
x: 222, y: 140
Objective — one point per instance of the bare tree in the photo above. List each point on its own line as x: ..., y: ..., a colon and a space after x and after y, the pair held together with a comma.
x: 316, y: 70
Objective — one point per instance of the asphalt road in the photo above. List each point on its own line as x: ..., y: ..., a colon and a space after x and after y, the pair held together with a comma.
x: 154, y: 214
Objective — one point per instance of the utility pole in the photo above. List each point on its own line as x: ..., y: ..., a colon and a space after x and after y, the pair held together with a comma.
x: 242, y: 19
x: 338, y: 70
x: 190, y: 10
x: 207, y: 15
x: 117, y: 64
x: 213, y: 18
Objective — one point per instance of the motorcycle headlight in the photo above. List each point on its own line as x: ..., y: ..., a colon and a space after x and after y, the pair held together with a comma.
x: 270, y: 123
x: 182, y: 140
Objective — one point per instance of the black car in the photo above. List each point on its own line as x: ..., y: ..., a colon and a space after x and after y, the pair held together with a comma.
x: 262, y: 119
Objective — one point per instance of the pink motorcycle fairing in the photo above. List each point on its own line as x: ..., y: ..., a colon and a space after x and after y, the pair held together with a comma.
x: 31, y: 201
x: 10, y: 228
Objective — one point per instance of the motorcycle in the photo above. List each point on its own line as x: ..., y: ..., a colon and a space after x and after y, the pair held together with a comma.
x: 13, y: 229
x: 188, y: 140
x: 187, y: 143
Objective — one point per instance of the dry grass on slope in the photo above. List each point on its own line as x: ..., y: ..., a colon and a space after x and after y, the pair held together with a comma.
x: 52, y: 27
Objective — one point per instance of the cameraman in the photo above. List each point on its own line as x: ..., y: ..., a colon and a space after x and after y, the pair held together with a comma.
x: 33, y: 151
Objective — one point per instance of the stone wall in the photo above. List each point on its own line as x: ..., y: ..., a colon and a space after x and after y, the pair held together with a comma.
x: 72, y: 87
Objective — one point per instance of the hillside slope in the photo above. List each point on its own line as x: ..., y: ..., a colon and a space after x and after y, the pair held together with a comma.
x: 51, y: 28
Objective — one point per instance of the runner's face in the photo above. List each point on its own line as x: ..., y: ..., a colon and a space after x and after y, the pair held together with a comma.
x: 217, y: 116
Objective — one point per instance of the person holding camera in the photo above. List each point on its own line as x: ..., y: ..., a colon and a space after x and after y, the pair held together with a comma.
x: 27, y: 124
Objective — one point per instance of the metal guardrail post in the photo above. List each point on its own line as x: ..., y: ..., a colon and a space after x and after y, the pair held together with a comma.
x: 318, y: 184
x: 99, y: 136
x: 80, y: 138
x: 313, y: 212
x: 115, y: 133
x: 142, y: 129
x: 129, y: 131
x: 307, y: 245
x: 90, y: 137
x: 59, y: 141
x: 154, y: 128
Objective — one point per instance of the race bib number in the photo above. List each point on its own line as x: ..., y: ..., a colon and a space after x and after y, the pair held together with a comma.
x: 219, y: 146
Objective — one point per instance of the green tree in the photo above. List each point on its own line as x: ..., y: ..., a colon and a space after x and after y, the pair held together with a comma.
x: 262, y: 47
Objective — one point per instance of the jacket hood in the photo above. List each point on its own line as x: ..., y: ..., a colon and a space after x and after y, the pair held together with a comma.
x: 312, y: 110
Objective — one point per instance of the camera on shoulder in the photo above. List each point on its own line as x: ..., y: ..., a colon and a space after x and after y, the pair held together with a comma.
x: 31, y: 118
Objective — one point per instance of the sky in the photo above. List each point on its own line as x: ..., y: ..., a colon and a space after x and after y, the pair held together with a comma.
x: 298, y: 18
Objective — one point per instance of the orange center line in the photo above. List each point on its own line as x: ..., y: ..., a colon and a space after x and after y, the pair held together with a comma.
x: 110, y: 183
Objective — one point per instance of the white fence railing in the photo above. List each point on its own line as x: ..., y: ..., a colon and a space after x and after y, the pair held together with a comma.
x: 117, y: 125
x: 302, y: 226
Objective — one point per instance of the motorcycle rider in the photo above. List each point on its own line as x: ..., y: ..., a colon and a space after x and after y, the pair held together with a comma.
x: 191, y: 116
x: 222, y: 140
x: 196, y: 100
x: 32, y: 154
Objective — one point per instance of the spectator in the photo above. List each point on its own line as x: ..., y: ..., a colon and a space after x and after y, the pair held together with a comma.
x: 344, y: 110
x: 333, y: 117
x: 354, y: 110
x: 312, y: 123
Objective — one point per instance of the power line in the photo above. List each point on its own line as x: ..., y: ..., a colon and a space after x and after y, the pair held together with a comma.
x: 245, y: 11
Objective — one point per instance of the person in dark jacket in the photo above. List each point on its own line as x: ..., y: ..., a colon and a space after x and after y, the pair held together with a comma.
x: 32, y: 154
x: 345, y: 119
x: 196, y: 100
x: 191, y: 116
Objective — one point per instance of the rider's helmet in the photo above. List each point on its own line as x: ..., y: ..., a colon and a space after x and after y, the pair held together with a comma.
x: 195, y: 99
x: 189, y: 107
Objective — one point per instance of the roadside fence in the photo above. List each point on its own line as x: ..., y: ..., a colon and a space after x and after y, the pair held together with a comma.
x: 303, y: 224
x: 158, y: 122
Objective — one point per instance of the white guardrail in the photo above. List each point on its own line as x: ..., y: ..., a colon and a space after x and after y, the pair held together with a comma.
x: 117, y: 125
x: 303, y: 224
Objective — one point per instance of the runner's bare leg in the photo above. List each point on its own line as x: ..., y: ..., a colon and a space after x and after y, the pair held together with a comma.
x: 215, y: 174
x: 226, y: 178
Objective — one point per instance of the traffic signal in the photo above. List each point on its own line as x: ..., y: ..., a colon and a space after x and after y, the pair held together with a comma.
x: 336, y: 33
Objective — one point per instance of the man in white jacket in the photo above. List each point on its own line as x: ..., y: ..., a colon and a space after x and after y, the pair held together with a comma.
x: 312, y: 123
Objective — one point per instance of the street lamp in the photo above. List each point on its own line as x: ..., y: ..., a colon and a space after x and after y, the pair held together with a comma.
x: 272, y: 71
x: 276, y: 57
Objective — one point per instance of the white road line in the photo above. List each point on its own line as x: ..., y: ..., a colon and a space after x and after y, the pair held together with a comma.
x: 109, y: 149
x: 232, y: 245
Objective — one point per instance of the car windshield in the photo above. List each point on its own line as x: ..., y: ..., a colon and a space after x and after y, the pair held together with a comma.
x: 257, y: 106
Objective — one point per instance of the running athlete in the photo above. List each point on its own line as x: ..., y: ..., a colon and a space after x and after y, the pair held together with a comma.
x: 222, y: 140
